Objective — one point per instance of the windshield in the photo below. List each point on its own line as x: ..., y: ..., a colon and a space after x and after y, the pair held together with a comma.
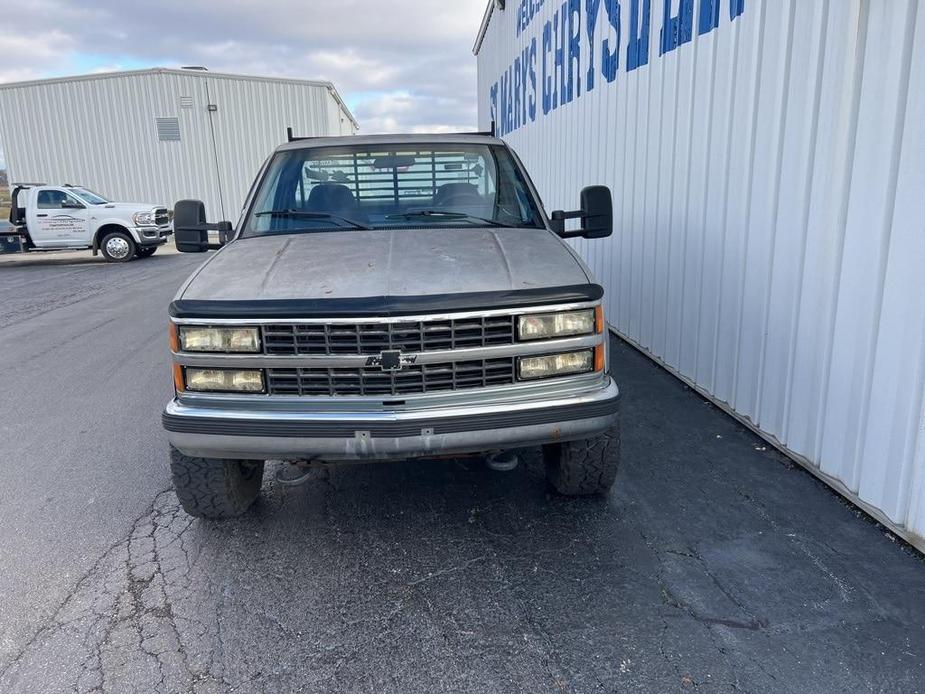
x: 89, y: 196
x: 392, y: 187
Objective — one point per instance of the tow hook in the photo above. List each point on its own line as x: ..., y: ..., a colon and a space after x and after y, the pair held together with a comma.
x: 293, y: 473
x: 503, y: 461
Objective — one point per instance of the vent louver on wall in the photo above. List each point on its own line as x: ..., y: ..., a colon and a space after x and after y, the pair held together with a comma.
x: 186, y: 102
x: 168, y: 129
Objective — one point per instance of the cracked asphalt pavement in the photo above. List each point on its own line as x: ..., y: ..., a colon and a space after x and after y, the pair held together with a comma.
x: 715, y: 565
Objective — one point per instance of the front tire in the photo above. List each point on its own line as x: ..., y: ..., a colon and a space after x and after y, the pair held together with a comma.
x: 215, y: 488
x: 146, y: 251
x: 580, y: 468
x: 118, y: 247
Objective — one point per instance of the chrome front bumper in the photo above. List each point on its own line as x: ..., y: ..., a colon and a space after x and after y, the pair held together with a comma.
x: 154, y: 236
x: 213, y: 431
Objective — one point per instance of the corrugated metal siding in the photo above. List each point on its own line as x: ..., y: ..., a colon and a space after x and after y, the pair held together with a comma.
x: 769, y: 188
x: 102, y: 133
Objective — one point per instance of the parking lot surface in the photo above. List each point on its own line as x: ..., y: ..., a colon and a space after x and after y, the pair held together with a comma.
x: 715, y: 565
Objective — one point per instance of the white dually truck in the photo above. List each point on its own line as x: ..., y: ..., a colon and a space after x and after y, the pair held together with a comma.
x: 50, y: 217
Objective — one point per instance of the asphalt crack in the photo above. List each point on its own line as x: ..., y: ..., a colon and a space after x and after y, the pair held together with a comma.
x: 118, y: 629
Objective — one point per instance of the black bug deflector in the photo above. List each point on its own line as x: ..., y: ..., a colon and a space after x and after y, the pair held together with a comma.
x: 384, y: 306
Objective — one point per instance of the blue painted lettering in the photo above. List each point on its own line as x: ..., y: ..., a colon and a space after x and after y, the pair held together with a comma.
x: 637, y: 50
x: 524, y: 81
x: 547, y: 80
x: 708, y: 18
x: 526, y: 12
x: 678, y: 29
x: 610, y: 53
x: 592, y: 7
x: 558, y: 26
x: 517, y: 99
x: 532, y: 105
x: 517, y: 87
x: 574, y: 50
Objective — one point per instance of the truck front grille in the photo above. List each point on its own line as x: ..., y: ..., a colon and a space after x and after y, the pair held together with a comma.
x: 161, y: 216
x: 372, y: 338
x: 416, y: 378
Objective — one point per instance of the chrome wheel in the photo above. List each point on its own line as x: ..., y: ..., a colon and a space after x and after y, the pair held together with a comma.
x: 117, y: 248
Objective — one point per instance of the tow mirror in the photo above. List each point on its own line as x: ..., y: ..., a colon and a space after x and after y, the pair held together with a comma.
x: 596, y: 215
x: 191, y: 230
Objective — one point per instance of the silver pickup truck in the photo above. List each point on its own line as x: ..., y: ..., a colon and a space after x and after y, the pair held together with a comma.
x: 389, y: 297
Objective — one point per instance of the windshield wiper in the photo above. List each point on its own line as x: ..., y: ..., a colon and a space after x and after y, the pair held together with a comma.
x: 305, y: 214
x: 445, y: 215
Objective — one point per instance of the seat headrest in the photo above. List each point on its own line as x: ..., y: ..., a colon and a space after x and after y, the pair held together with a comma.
x: 457, y: 192
x: 330, y: 197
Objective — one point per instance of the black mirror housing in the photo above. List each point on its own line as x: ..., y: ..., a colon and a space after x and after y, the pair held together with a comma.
x: 191, y: 231
x: 596, y: 215
x: 596, y: 212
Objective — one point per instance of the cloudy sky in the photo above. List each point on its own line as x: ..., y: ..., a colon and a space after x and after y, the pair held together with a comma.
x: 401, y: 65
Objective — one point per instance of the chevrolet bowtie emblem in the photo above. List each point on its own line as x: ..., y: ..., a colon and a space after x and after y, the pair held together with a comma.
x: 391, y: 360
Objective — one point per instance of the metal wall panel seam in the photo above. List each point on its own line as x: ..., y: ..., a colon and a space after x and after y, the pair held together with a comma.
x: 763, y: 213
x: 689, y: 270
x: 807, y: 185
x: 790, y: 198
x: 644, y: 212
x: 704, y: 217
x: 640, y: 195
x: 778, y: 149
x: 724, y: 205
x: 750, y: 186
x: 896, y: 149
x: 656, y: 209
x: 672, y: 181
x: 813, y: 292
x: 842, y: 221
x: 631, y: 161
x: 916, y: 517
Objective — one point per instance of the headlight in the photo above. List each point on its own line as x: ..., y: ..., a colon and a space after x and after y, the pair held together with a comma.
x: 555, y: 364
x: 195, y: 339
x: 144, y: 219
x: 548, y: 325
x: 224, y: 380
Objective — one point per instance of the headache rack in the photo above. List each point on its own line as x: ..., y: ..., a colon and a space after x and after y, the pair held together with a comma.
x: 290, y: 137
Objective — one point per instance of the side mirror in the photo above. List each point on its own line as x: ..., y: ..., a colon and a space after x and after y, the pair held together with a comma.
x: 191, y: 230
x: 68, y: 204
x: 596, y: 215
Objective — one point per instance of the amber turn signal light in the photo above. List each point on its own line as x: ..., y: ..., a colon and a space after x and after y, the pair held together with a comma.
x: 178, y: 384
x: 174, y: 340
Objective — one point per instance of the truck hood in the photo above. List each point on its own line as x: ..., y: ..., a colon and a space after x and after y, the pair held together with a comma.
x: 386, y: 263
x: 129, y: 206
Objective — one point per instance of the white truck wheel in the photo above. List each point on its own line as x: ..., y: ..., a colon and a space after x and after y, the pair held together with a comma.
x: 118, y: 247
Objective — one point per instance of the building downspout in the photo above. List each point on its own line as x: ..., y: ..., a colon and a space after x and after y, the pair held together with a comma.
x: 218, y: 175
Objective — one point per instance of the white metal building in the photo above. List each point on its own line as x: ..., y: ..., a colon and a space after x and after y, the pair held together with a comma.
x: 161, y: 135
x: 767, y: 159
